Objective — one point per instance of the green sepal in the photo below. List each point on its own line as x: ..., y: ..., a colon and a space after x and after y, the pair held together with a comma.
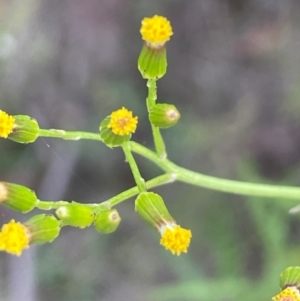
x: 75, y: 215
x: 164, y: 115
x: 26, y: 129
x: 152, y: 62
x: 107, y: 221
x: 17, y: 197
x: 42, y: 228
x: 290, y: 277
x: 108, y: 137
x: 151, y: 207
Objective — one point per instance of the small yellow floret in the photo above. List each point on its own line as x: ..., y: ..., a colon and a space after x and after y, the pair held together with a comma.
x: 6, y: 124
x: 13, y: 238
x: 156, y: 30
x: 122, y: 122
x: 288, y: 294
x: 176, y: 239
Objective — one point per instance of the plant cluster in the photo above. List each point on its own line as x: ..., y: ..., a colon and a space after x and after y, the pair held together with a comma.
x: 116, y: 131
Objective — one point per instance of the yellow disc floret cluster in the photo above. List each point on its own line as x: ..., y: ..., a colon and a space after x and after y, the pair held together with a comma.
x: 122, y: 122
x: 13, y: 238
x: 6, y: 124
x: 176, y: 239
x: 156, y: 31
x: 288, y: 294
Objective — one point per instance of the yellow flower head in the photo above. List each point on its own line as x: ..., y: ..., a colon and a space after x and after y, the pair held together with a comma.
x: 13, y: 238
x: 122, y: 122
x: 288, y: 294
x: 175, y: 239
x: 156, y: 31
x: 6, y: 124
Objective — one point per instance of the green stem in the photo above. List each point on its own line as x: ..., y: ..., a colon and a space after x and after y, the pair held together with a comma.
x: 140, y: 182
x: 155, y: 182
x: 188, y: 176
x: 152, y: 94
x: 157, y: 137
x: 230, y: 186
x: 68, y: 135
x: 50, y: 205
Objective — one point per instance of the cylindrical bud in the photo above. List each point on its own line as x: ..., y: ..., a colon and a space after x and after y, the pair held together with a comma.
x: 42, y: 228
x: 17, y: 197
x: 151, y: 207
x: 290, y: 277
x: 108, y: 137
x: 152, y: 62
x: 164, y: 115
x: 75, y: 215
x: 107, y: 221
x: 25, y: 130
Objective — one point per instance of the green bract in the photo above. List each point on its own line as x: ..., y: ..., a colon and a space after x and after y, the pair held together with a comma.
x: 290, y: 277
x: 152, y: 63
x: 151, y: 207
x: 42, y: 228
x: 108, y: 137
x: 17, y: 197
x: 26, y: 129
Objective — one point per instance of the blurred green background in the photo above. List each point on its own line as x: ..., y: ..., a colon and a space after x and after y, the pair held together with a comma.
x: 234, y: 75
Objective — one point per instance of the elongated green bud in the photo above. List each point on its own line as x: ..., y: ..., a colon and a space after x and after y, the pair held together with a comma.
x: 42, y: 228
x: 152, y: 63
x: 107, y: 221
x: 25, y: 130
x: 17, y: 197
x: 76, y: 215
x: 164, y: 115
x: 151, y: 207
x: 290, y: 277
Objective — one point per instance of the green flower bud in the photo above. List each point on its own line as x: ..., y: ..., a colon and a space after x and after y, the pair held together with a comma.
x: 26, y: 129
x: 107, y: 221
x: 164, y: 115
x: 75, y: 215
x: 290, y: 277
x: 17, y: 197
x: 42, y: 228
x: 152, y: 62
x: 151, y: 207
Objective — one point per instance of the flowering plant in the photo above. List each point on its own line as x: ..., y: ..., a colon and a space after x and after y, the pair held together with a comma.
x: 116, y: 130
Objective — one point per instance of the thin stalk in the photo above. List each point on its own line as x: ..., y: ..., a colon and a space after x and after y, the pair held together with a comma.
x: 68, y: 135
x: 157, y: 137
x: 140, y: 182
x: 119, y: 198
x: 50, y: 205
x: 155, y: 182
